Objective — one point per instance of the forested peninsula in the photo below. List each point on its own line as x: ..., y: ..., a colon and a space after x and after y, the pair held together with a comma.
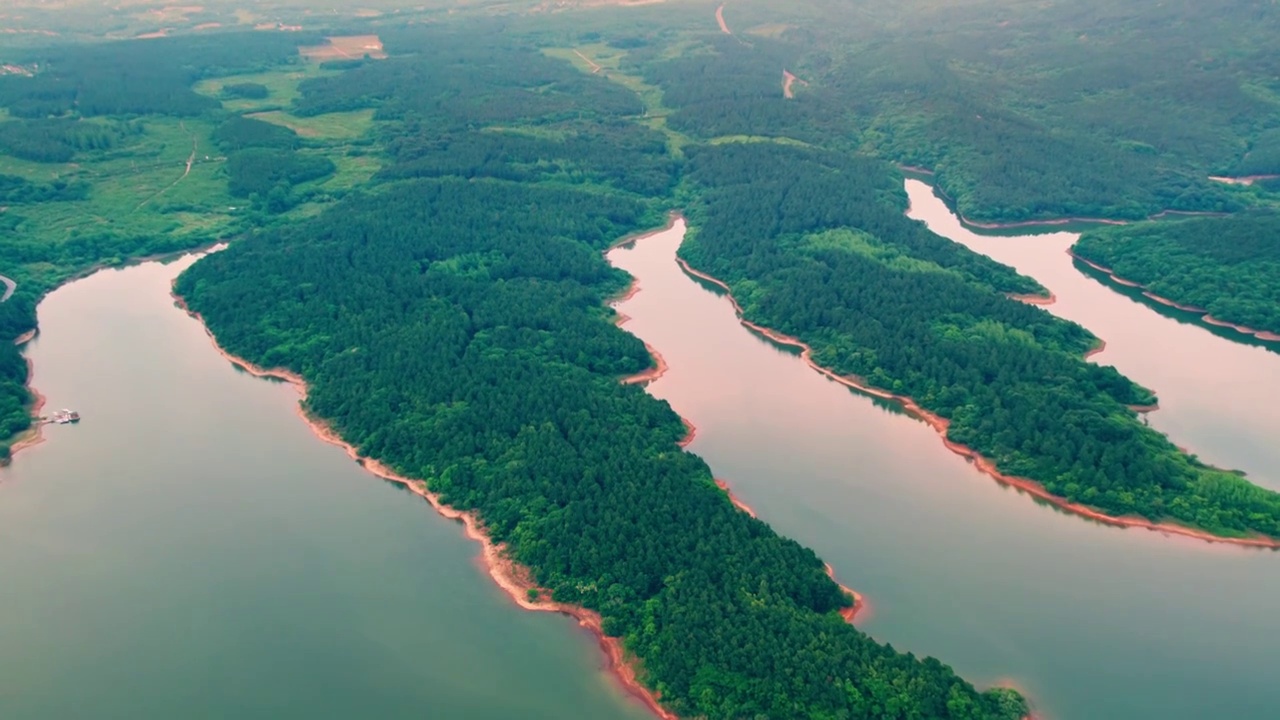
x: 814, y: 244
x: 502, y: 392
x: 451, y: 324
x: 419, y: 239
x: 1227, y: 269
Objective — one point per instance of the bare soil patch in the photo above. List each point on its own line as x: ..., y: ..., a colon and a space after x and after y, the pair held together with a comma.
x: 345, y: 47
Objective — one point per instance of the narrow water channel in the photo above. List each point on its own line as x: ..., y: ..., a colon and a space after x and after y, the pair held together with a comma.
x: 1092, y: 622
x: 1216, y: 393
x: 190, y: 550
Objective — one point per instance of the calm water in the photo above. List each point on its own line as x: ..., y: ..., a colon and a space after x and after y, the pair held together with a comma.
x: 1217, y: 395
x: 191, y: 550
x: 1092, y: 622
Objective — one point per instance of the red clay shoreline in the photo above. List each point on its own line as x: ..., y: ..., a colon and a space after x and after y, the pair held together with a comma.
x: 860, y: 607
x: 1205, y: 316
x: 513, y: 578
x: 940, y: 425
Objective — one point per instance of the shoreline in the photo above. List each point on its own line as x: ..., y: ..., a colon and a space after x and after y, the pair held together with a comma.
x: 966, y: 221
x: 860, y: 607
x: 1205, y: 317
x: 33, y: 435
x: 984, y: 464
x: 511, y: 577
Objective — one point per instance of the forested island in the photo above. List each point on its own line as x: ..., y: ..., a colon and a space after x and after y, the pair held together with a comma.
x: 1227, y: 268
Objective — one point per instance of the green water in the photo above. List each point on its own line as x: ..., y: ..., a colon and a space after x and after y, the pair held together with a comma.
x: 191, y: 550
x: 1092, y: 622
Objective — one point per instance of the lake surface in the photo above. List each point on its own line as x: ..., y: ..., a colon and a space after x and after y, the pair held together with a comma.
x: 191, y: 550
x: 1217, y: 394
x: 1092, y: 622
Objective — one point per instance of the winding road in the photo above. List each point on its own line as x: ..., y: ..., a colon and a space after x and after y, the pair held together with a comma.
x: 9, y: 287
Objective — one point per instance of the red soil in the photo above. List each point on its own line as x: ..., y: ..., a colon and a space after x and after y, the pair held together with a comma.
x: 1166, y: 301
x: 513, y: 578
x: 1101, y: 346
x: 940, y: 425
x: 1205, y: 316
x: 788, y: 81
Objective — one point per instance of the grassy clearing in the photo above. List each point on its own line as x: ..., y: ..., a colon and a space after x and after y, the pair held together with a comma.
x: 331, y: 126
x: 727, y: 139
x: 345, y: 47
x: 609, y: 59
x: 282, y: 84
x: 138, y: 189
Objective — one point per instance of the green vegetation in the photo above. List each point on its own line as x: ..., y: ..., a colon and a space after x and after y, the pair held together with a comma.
x: 274, y: 172
x: 423, y: 236
x: 1025, y: 111
x: 1229, y: 267
x: 509, y: 404
x: 480, y: 251
x: 238, y: 132
x: 815, y: 244
x: 246, y: 91
x: 107, y: 154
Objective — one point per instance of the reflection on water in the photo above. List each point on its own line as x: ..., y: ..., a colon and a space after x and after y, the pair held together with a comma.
x: 1091, y: 621
x: 190, y: 550
x: 1213, y: 391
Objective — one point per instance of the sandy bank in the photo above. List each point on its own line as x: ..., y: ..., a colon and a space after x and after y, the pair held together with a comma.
x: 941, y: 424
x: 514, y: 579
x: 1204, y: 314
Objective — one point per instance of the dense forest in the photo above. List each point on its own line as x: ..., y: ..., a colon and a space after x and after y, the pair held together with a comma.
x: 449, y: 314
x: 58, y: 140
x: 455, y: 329
x: 451, y: 323
x: 1229, y: 267
x: 811, y: 246
x: 137, y: 77
x: 1061, y: 111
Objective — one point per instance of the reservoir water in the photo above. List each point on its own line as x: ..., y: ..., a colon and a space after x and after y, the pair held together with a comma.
x: 1092, y: 622
x: 191, y: 550
x: 1214, y: 385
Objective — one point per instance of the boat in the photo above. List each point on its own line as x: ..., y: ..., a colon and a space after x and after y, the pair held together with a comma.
x: 64, y: 416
